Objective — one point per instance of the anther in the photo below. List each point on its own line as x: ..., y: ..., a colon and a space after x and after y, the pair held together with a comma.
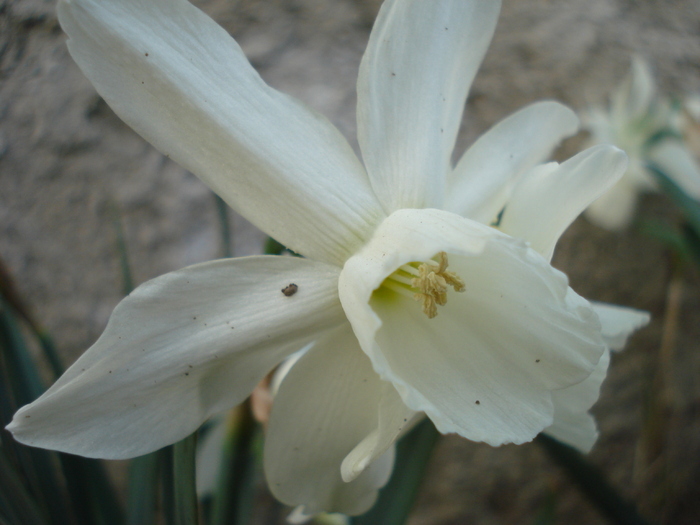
x: 432, y: 282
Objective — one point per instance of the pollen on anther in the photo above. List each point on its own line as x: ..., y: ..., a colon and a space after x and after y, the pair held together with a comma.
x: 432, y: 283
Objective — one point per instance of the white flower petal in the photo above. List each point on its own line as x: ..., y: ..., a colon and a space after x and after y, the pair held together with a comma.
x: 181, y: 82
x: 573, y: 424
x: 326, y: 405
x: 619, y: 322
x: 578, y: 430
x: 633, y: 97
x: 692, y: 105
x: 413, y: 82
x: 546, y: 201
x: 394, y: 420
x: 486, y: 365
x: 178, y: 349
x: 614, y: 210
x: 598, y: 123
x: 673, y: 158
x: 482, y: 181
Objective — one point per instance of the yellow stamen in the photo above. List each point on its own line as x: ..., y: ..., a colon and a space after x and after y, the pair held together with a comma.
x: 428, y: 282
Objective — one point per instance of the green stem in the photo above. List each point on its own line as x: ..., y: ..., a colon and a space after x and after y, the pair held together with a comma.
x: 591, y: 481
x: 397, y: 497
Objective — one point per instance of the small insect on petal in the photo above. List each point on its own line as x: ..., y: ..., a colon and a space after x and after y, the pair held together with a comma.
x: 290, y: 289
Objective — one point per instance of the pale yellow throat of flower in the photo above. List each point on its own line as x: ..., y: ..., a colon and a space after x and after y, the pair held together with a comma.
x: 426, y: 282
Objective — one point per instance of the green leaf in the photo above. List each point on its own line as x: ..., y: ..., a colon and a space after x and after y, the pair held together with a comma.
x: 397, y: 497
x: 591, y: 481
x: 24, y: 376
x: 11, y: 296
x: 233, y: 501
x: 272, y: 247
x: 665, y: 233
x: 185, y: 492
x: 142, y: 497
x: 688, y: 206
x: 17, y: 506
x: 91, y: 495
x: 165, y: 466
x: 38, y: 468
x: 122, y: 250
x: 660, y: 136
x: 692, y: 242
x: 222, y: 212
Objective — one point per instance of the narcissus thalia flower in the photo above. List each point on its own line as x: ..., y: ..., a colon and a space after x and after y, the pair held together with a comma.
x: 646, y: 126
x: 414, y: 303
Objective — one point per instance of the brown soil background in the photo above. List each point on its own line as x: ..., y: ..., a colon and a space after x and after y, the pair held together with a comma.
x: 69, y: 167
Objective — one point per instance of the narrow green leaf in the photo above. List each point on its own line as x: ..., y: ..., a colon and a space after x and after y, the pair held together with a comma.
x: 689, y: 206
x: 50, y: 352
x: 665, y: 233
x: 37, y: 467
x: 222, y: 212
x: 660, y: 136
x: 165, y: 462
x: 692, y: 242
x: 91, y: 492
x: 185, y: 491
x: 591, y: 481
x: 272, y: 247
x: 11, y: 295
x: 91, y: 495
x: 17, y: 506
x: 142, y: 498
x: 24, y: 378
x: 122, y: 250
x: 397, y: 497
x: 233, y: 501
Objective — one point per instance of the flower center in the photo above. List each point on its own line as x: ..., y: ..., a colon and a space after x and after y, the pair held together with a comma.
x: 426, y: 282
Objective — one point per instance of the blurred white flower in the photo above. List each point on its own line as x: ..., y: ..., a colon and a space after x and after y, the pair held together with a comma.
x: 690, y: 123
x: 645, y: 126
x: 489, y: 350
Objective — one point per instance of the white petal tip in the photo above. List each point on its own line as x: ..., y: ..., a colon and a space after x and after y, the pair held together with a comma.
x: 16, y: 424
x: 353, y: 466
x: 299, y: 515
x: 619, y: 158
x: 619, y: 323
x: 359, y: 458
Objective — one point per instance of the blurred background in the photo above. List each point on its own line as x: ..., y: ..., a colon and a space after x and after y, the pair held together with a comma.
x: 73, y: 176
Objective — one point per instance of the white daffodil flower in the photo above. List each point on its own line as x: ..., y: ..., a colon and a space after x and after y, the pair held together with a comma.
x: 689, y: 123
x: 413, y: 303
x: 645, y: 126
